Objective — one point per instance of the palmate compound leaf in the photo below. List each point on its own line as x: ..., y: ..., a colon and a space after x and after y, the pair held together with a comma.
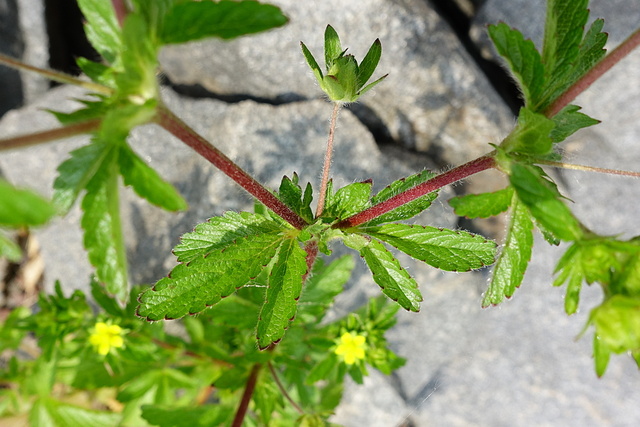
x: 407, y: 210
x: 394, y: 280
x: 285, y: 286
x: 482, y: 205
x: 221, y: 231
x: 516, y: 253
x: 192, y: 287
x: 441, y: 248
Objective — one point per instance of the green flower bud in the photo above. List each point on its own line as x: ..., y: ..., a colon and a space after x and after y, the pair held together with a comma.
x: 344, y: 80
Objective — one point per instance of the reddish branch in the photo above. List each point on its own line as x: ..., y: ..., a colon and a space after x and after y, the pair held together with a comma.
x: 50, y: 135
x: 456, y: 174
x: 594, y: 73
x: 246, y: 396
x: 182, y: 131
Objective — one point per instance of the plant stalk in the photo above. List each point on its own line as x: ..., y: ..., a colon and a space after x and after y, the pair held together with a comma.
x: 594, y: 73
x: 327, y: 159
x: 274, y: 374
x: 50, y: 135
x: 182, y: 131
x: 588, y: 168
x: 456, y: 174
x: 55, y: 75
x: 246, y: 396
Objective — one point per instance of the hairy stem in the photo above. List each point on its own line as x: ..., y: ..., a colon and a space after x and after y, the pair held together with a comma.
x: 49, y: 135
x: 456, y: 174
x: 55, y: 75
x: 246, y: 396
x: 594, y: 73
x: 283, y: 390
x: 311, y: 248
x: 327, y: 160
x: 588, y: 168
x: 182, y: 131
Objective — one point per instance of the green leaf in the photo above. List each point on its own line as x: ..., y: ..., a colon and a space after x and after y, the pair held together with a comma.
x: 221, y: 231
x: 322, y: 286
x: 332, y: 46
x: 601, y: 355
x: 369, y: 63
x: 105, y: 301
x: 285, y: 286
x: 92, y: 110
x: 98, y: 72
x: 482, y: 205
x: 591, y: 50
x: 147, y: 183
x: 395, y: 282
x: 441, y: 248
x: 531, y: 136
x: 192, y: 287
x: 137, y: 83
x: 407, y: 210
x: 570, y: 271
x: 188, y: 21
x: 201, y: 416
x: 514, y: 258
x: 9, y: 249
x: 617, y: 323
x: 49, y: 412
x: 543, y: 200
x: 21, y: 208
x: 370, y: 86
x: 568, y: 121
x: 101, y: 27
x: 75, y: 172
x: 347, y: 201
x: 563, y: 30
x: 291, y: 194
x: 102, y: 230
x: 523, y: 58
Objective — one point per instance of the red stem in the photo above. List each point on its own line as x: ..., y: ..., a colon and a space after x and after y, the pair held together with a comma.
x: 456, y: 174
x: 182, y: 131
x: 594, y: 73
x: 246, y: 396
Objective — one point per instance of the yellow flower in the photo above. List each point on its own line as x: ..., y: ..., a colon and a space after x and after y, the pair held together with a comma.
x: 351, y: 347
x: 104, y: 337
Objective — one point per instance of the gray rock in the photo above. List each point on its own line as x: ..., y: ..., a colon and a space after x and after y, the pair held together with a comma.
x: 22, y: 36
x: 434, y: 99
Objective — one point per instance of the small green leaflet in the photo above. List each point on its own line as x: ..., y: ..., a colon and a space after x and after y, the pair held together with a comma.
x: 75, y: 172
x: 568, y: 121
x: 523, y: 58
x: 531, y: 136
x: 20, y: 208
x: 199, y: 416
x: 483, y: 205
x: 285, y: 286
x: 516, y: 253
x: 102, y: 231
x: 323, y: 285
x: 147, y: 183
x: 47, y: 411
x: 543, y: 200
x: 188, y: 21
x: 101, y: 27
x: 347, y: 201
x: 221, y: 231
x: 395, y: 282
x: 441, y: 248
x: 92, y: 110
x: 9, y: 249
x: 291, y: 194
x: 407, y: 210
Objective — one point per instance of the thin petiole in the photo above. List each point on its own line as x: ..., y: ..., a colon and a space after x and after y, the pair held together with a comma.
x: 49, y: 135
x: 588, y: 168
x: 274, y: 374
x: 327, y: 159
x: 55, y: 75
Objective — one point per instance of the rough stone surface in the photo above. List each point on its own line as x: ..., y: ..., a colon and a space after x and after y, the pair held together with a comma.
x: 434, y: 99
